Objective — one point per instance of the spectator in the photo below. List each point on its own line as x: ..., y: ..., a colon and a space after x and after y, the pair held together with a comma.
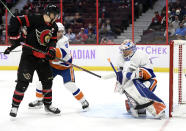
x: 103, y: 40
x: 81, y: 36
x: 184, y: 20
x: 183, y: 11
x: 173, y: 12
x: 77, y: 19
x: 181, y: 31
x: 91, y: 37
x: 1, y: 16
x: 171, y: 30
x: 170, y: 19
x: 28, y: 5
x: 80, y: 6
x: 90, y: 27
x: 180, y: 16
x: 103, y: 14
x: 106, y: 29
x: 176, y: 22
x: 156, y: 21
x: 71, y: 36
x: 68, y: 21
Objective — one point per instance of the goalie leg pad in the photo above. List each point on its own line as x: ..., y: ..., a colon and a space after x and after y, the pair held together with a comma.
x: 145, y: 92
x: 143, y: 95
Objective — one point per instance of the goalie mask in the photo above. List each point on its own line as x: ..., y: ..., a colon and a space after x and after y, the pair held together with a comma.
x: 127, y: 49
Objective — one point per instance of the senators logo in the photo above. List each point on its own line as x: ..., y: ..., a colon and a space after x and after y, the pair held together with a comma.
x: 43, y: 37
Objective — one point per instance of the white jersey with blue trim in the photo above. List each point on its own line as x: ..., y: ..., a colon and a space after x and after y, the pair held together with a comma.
x: 139, y: 59
x: 63, y: 42
x: 62, y: 52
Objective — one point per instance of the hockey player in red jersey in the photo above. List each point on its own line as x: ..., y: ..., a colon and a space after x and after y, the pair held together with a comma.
x: 42, y: 35
x: 62, y: 69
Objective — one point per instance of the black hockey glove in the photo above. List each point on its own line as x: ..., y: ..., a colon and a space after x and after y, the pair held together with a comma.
x: 51, y: 54
x: 15, y: 43
x: 8, y: 50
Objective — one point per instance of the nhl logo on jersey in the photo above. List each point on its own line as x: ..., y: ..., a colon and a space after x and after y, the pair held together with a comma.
x: 43, y: 37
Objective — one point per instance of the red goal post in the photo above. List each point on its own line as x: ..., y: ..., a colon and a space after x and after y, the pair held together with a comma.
x: 177, y: 69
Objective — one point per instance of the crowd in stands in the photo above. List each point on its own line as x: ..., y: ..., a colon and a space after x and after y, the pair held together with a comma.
x: 176, y: 23
x: 79, y: 17
x: 10, y: 4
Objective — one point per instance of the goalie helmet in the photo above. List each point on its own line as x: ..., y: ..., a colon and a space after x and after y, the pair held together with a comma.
x: 61, y: 27
x: 127, y: 49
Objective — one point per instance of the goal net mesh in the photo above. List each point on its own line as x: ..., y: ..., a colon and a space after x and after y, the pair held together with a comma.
x: 177, y: 98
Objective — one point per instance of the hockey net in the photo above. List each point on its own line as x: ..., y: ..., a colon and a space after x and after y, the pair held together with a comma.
x: 177, y: 78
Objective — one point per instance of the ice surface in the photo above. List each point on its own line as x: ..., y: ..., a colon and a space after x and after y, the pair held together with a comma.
x: 107, y: 110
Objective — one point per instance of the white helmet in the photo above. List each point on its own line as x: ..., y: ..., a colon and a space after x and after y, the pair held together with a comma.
x: 127, y: 49
x: 60, y: 27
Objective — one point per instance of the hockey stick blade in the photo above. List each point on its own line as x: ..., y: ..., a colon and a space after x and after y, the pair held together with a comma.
x: 26, y: 45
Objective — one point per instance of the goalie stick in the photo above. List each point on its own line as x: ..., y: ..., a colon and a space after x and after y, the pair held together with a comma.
x: 26, y: 45
x: 129, y: 97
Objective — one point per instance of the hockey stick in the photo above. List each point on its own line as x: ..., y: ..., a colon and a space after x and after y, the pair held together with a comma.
x: 13, y: 51
x: 7, y: 8
x: 26, y: 45
x: 138, y: 106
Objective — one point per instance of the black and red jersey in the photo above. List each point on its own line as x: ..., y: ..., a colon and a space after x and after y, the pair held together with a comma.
x: 40, y: 35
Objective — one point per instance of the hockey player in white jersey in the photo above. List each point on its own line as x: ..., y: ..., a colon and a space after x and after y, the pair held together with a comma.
x: 136, y: 78
x: 62, y: 69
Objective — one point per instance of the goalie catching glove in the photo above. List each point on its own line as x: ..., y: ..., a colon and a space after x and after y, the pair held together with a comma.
x: 51, y: 54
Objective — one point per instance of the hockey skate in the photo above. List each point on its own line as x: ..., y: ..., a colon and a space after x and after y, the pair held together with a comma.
x: 51, y: 110
x: 85, y: 105
x: 13, y: 111
x: 36, y: 104
x: 136, y: 113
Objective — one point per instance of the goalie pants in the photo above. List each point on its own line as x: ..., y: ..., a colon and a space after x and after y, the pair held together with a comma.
x: 28, y: 64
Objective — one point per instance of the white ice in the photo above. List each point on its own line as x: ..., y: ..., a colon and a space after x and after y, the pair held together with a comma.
x: 107, y: 110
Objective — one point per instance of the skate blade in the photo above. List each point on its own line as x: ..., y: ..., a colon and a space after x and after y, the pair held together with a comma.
x: 13, y: 118
x: 161, y: 115
x: 53, y: 114
x: 37, y: 107
x: 86, y: 109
